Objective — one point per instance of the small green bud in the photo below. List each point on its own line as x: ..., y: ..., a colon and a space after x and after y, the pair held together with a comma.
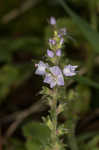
x: 49, y: 124
x: 60, y: 108
x: 62, y: 130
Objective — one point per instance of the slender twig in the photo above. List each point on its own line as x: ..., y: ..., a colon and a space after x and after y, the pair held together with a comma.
x: 22, y: 115
x: 19, y: 11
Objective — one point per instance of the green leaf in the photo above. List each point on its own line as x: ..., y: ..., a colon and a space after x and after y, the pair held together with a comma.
x: 15, y: 144
x: 33, y: 145
x: 37, y: 135
x: 91, y: 35
x: 87, y: 81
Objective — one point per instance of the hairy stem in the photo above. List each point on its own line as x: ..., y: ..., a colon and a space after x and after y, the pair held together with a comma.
x: 54, y: 117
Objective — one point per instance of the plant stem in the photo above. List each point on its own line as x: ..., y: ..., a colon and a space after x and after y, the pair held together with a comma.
x: 54, y: 117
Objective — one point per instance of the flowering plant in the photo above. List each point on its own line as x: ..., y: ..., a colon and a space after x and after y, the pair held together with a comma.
x: 53, y: 74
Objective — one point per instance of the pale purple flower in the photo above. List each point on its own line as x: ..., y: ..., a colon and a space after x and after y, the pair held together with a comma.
x: 52, y: 21
x: 52, y: 42
x: 61, y: 41
x: 69, y: 70
x: 58, y: 52
x: 55, y: 70
x: 50, y: 80
x: 50, y: 53
x: 55, y: 77
x: 41, y: 68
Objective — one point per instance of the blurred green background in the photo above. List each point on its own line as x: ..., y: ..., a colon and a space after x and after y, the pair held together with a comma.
x: 24, y: 32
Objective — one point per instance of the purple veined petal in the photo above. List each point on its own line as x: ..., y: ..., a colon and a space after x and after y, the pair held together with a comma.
x: 61, y: 40
x: 48, y: 78
x: 54, y: 80
x: 52, y: 21
x: 41, y: 68
x: 39, y: 72
x: 58, y: 52
x: 60, y: 80
x: 73, y: 67
x: 53, y: 83
x: 50, y: 53
x: 52, y: 42
x: 70, y: 74
x: 55, y: 70
x: 69, y: 70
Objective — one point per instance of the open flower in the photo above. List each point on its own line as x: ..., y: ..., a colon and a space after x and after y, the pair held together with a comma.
x: 55, y: 77
x: 69, y: 70
x: 41, y: 68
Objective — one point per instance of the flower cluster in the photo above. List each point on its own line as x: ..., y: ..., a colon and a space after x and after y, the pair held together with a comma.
x: 53, y: 75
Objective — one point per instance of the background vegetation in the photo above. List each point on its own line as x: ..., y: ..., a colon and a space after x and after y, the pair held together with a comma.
x: 24, y: 32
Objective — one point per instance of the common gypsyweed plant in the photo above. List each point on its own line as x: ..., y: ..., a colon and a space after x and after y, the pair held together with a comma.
x: 53, y: 72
